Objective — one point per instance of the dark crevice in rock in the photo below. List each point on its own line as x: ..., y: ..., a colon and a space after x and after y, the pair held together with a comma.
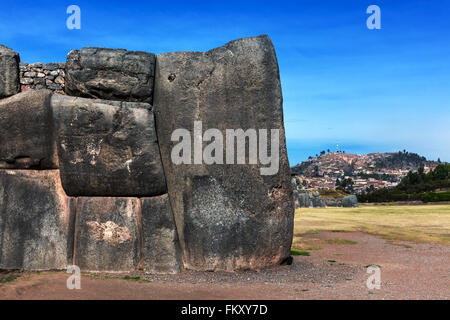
x: 71, y: 242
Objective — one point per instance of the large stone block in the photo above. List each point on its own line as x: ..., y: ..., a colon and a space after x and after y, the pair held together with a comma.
x: 36, y: 221
x: 107, y: 148
x: 228, y: 216
x: 9, y: 72
x: 114, y: 74
x: 350, y: 201
x: 26, y: 131
x: 160, y: 252
x: 107, y: 234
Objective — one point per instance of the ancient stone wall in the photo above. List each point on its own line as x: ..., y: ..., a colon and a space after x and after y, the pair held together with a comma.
x: 86, y: 175
x: 42, y: 76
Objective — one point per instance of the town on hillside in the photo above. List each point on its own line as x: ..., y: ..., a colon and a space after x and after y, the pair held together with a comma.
x: 361, y: 173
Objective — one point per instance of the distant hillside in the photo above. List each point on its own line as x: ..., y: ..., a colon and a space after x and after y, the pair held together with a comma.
x: 336, y: 164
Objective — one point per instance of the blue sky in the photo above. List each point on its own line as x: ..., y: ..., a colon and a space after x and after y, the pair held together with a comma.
x: 366, y: 90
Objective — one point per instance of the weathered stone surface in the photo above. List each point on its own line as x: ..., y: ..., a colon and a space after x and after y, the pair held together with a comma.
x: 26, y: 131
x: 9, y: 72
x: 23, y: 67
x: 308, y: 199
x: 304, y: 199
x: 114, y: 74
x: 160, y: 252
x: 107, y: 234
x: 107, y: 148
x: 30, y: 74
x: 316, y: 201
x: 53, y: 86
x: 26, y: 81
x: 228, y: 216
x: 332, y: 202
x: 50, y: 66
x: 350, y: 201
x: 36, y: 221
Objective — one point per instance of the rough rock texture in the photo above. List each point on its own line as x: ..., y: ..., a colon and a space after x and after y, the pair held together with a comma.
x: 350, y: 201
x: 36, y: 221
x: 107, y: 148
x: 303, y: 199
x: 308, y: 199
x: 114, y: 74
x: 316, y: 200
x: 107, y: 234
x: 26, y: 131
x: 161, y: 252
x: 228, y: 216
x: 9, y: 72
x: 332, y: 202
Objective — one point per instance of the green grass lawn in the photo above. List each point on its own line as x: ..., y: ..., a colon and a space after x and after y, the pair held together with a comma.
x: 415, y: 223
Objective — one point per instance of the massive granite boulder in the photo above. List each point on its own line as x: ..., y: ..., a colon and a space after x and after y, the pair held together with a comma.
x: 316, y: 200
x: 304, y: 199
x: 9, y: 72
x: 228, y: 216
x: 107, y: 148
x: 107, y: 234
x: 36, y: 221
x: 161, y: 249
x: 350, y: 201
x: 307, y: 199
x: 113, y: 74
x: 26, y: 131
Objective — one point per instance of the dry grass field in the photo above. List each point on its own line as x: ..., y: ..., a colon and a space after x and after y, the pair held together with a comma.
x: 414, y: 223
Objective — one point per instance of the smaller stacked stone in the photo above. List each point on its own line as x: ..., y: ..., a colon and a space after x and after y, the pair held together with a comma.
x: 42, y: 76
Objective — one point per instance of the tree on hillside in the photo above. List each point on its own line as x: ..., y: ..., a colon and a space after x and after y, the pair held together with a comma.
x: 441, y: 172
x: 322, y: 152
x: 421, y: 171
x: 346, y: 185
x: 316, y: 171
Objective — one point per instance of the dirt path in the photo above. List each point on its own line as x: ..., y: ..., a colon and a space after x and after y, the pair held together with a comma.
x: 338, y: 271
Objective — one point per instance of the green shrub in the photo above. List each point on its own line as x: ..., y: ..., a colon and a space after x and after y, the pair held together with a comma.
x: 436, y: 196
x: 296, y: 252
